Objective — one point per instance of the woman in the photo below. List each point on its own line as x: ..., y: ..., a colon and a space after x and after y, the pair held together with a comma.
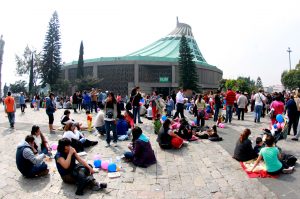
x: 50, y: 109
x: 40, y: 143
x: 167, y: 139
x: 200, y: 103
x: 78, y: 141
x: 70, y: 172
x: 38, y: 102
x: 243, y: 150
x: 110, y: 112
x: 142, y: 154
x: 153, y: 101
x: 272, y: 156
x: 277, y: 107
x: 66, y: 119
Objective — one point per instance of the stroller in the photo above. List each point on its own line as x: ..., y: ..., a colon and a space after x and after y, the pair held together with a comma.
x: 279, y: 134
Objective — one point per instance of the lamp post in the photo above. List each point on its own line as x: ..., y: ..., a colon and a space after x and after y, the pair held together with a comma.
x: 289, y: 51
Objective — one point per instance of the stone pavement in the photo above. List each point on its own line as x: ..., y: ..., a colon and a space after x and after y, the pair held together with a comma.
x: 203, y: 169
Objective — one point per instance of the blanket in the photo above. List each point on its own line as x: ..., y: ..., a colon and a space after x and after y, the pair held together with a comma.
x: 259, y: 172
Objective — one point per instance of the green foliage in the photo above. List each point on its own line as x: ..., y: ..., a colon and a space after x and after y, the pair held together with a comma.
x: 87, y: 83
x: 51, y: 64
x: 18, y: 86
x: 61, y: 86
x: 187, y: 67
x: 243, y: 84
x: 259, y: 84
x: 80, y: 70
x: 222, y: 84
x: 29, y: 63
x: 231, y: 83
x: 5, y: 90
x: 291, y: 79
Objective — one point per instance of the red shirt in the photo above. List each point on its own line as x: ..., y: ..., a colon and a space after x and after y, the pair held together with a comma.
x: 230, y: 97
x: 10, y: 104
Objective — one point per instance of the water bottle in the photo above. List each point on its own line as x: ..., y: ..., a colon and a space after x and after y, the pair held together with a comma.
x: 118, y: 162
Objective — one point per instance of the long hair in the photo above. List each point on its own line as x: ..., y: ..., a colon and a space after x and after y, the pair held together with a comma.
x: 136, y: 133
x: 62, y: 143
x: 113, y: 97
x: 34, y: 129
x: 68, y: 127
x: 166, y: 124
x: 244, y: 136
x: 199, y: 98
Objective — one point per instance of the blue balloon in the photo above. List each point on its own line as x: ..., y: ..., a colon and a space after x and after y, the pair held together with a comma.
x: 195, y: 120
x: 97, y: 163
x: 275, y: 126
x: 112, y: 167
x: 163, y: 118
x: 279, y: 118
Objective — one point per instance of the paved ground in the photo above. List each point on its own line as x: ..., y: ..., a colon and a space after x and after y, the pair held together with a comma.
x: 203, y: 169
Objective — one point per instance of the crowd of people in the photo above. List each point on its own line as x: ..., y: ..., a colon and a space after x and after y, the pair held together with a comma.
x: 120, y: 116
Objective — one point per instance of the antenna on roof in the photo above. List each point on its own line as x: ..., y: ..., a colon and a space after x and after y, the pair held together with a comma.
x: 177, y: 20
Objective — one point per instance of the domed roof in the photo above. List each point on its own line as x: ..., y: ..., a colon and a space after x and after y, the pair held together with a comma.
x: 168, y: 46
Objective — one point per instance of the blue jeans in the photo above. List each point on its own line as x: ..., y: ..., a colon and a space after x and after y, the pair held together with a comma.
x: 11, y: 118
x: 257, y: 112
x: 128, y: 155
x: 136, y: 112
x: 228, y: 113
x: 111, y: 126
x: 36, y: 169
x: 216, y: 114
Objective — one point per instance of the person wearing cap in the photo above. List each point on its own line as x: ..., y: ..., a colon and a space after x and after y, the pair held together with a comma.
x: 10, y: 109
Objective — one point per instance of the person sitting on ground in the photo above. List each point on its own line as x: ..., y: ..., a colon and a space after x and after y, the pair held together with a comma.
x: 167, y: 139
x: 123, y: 130
x: 210, y: 133
x: 40, y: 142
x: 72, y: 173
x: 259, y: 145
x: 272, y: 157
x: 243, y: 150
x: 99, y: 123
x: 78, y: 141
x: 27, y: 163
x: 66, y: 119
x: 141, y: 154
x: 185, y: 131
x: 157, y: 123
x: 129, y: 118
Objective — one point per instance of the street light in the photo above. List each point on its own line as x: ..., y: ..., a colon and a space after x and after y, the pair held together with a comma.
x: 289, y: 51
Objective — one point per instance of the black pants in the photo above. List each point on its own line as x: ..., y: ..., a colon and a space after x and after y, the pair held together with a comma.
x: 241, y: 111
x: 293, y: 122
x: 94, y: 105
x: 200, y: 117
x: 180, y: 109
x: 23, y: 107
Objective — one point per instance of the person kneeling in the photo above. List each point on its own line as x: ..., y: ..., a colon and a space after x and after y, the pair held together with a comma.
x: 80, y: 174
x: 141, y: 154
x: 29, y: 164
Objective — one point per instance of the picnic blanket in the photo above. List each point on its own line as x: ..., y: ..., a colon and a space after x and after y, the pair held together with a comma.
x: 260, y: 170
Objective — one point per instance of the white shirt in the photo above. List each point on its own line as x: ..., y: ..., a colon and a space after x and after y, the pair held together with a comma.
x: 258, y: 97
x: 70, y: 135
x: 99, y: 120
x: 38, y: 142
x: 179, y: 97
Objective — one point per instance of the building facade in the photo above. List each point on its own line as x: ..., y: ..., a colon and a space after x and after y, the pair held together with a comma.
x: 154, y: 67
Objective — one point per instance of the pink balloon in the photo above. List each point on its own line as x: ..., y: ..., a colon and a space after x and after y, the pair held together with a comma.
x: 104, y: 165
x: 193, y: 123
x: 222, y: 126
x: 282, y: 125
x: 54, y: 147
x: 178, y: 125
x: 97, y: 157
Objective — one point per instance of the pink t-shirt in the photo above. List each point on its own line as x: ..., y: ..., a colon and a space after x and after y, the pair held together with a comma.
x: 277, y: 106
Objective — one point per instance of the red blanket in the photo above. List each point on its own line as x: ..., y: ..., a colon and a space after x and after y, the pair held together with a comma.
x: 257, y: 174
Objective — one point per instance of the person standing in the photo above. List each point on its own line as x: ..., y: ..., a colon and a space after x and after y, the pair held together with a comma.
x: 277, y: 107
x: 200, y: 103
x: 136, y: 97
x: 94, y: 100
x: 259, y: 99
x: 153, y: 101
x: 179, y: 104
x: 110, y: 111
x: 230, y: 98
x: 218, y: 106
x: 292, y: 112
x: 75, y: 102
x: 50, y: 109
x: 10, y: 109
x: 79, y: 98
x: 38, y: 102
x: 242, y: 103
x: 22, y: 102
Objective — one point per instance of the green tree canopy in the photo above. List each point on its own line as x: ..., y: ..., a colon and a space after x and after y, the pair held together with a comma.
x: 187, y: 67
x: 291, y: 79
x: 80, y: 71
x: 18, y: 86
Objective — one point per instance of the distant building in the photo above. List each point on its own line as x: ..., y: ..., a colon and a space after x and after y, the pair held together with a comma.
x: 275, y: 88
x: 153, y: 67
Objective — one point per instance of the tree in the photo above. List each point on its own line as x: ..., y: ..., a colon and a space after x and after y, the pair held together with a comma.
x: 222, y: 84
x: 245, y: 84
x: 62, y: 86
x: 87, y: 83
x: 18, y: 86
x: 80, y: 70
x: 291, y: 79
x: 187, y: 67
x: 259, y: 84
x: 29, y: 63
x: 51, y: 62
x: 5, y: 90
x: 231, y: 83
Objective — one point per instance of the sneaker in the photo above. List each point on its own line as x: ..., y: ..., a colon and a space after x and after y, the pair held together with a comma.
x: 141, y: 122
x: 107, y: 145
x: 294, y: 139
x: 98, y: 186
x: 288, y: 170
x: 94, y: 143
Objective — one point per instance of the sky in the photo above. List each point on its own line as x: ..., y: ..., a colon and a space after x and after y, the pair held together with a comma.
x: 242, y: 38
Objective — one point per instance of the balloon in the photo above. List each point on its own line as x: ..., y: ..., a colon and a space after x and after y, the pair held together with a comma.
x: 222, y: 125
x: 279, y: 118
x: 178, y: 125
x: 112, y: 167
x: 54, y: 147
x: 193, y: 123
x: 97, y: 157
x: 282, y: 125
x: 104, y: 165
x: 164, y: 118
x: 195, y: 120
x: 275, y: 126
x: 97, y: 163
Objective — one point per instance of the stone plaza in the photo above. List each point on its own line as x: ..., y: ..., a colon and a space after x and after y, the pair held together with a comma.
x: 202, y: 169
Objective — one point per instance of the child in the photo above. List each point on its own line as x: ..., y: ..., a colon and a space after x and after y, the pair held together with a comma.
x: 123, y: 130
x: 157, y: 123
x: 185, y: 131
x: 259, y: 145
x: 210, y: 134
x: 89, y: 120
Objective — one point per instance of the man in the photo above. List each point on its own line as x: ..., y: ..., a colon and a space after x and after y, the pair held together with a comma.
x: 100, y: 98
x: 238, y: 94
x: 99, y: 122
x: 94, y: 95
x: 10, y: 109
x: 29, y: 164
x: 259, y: 99
x: 179, y: 104
x: 218, y: 105
x: 292, y: 113
x: 230, y: 98
x: 242, y: 103
x: 22, y: 102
